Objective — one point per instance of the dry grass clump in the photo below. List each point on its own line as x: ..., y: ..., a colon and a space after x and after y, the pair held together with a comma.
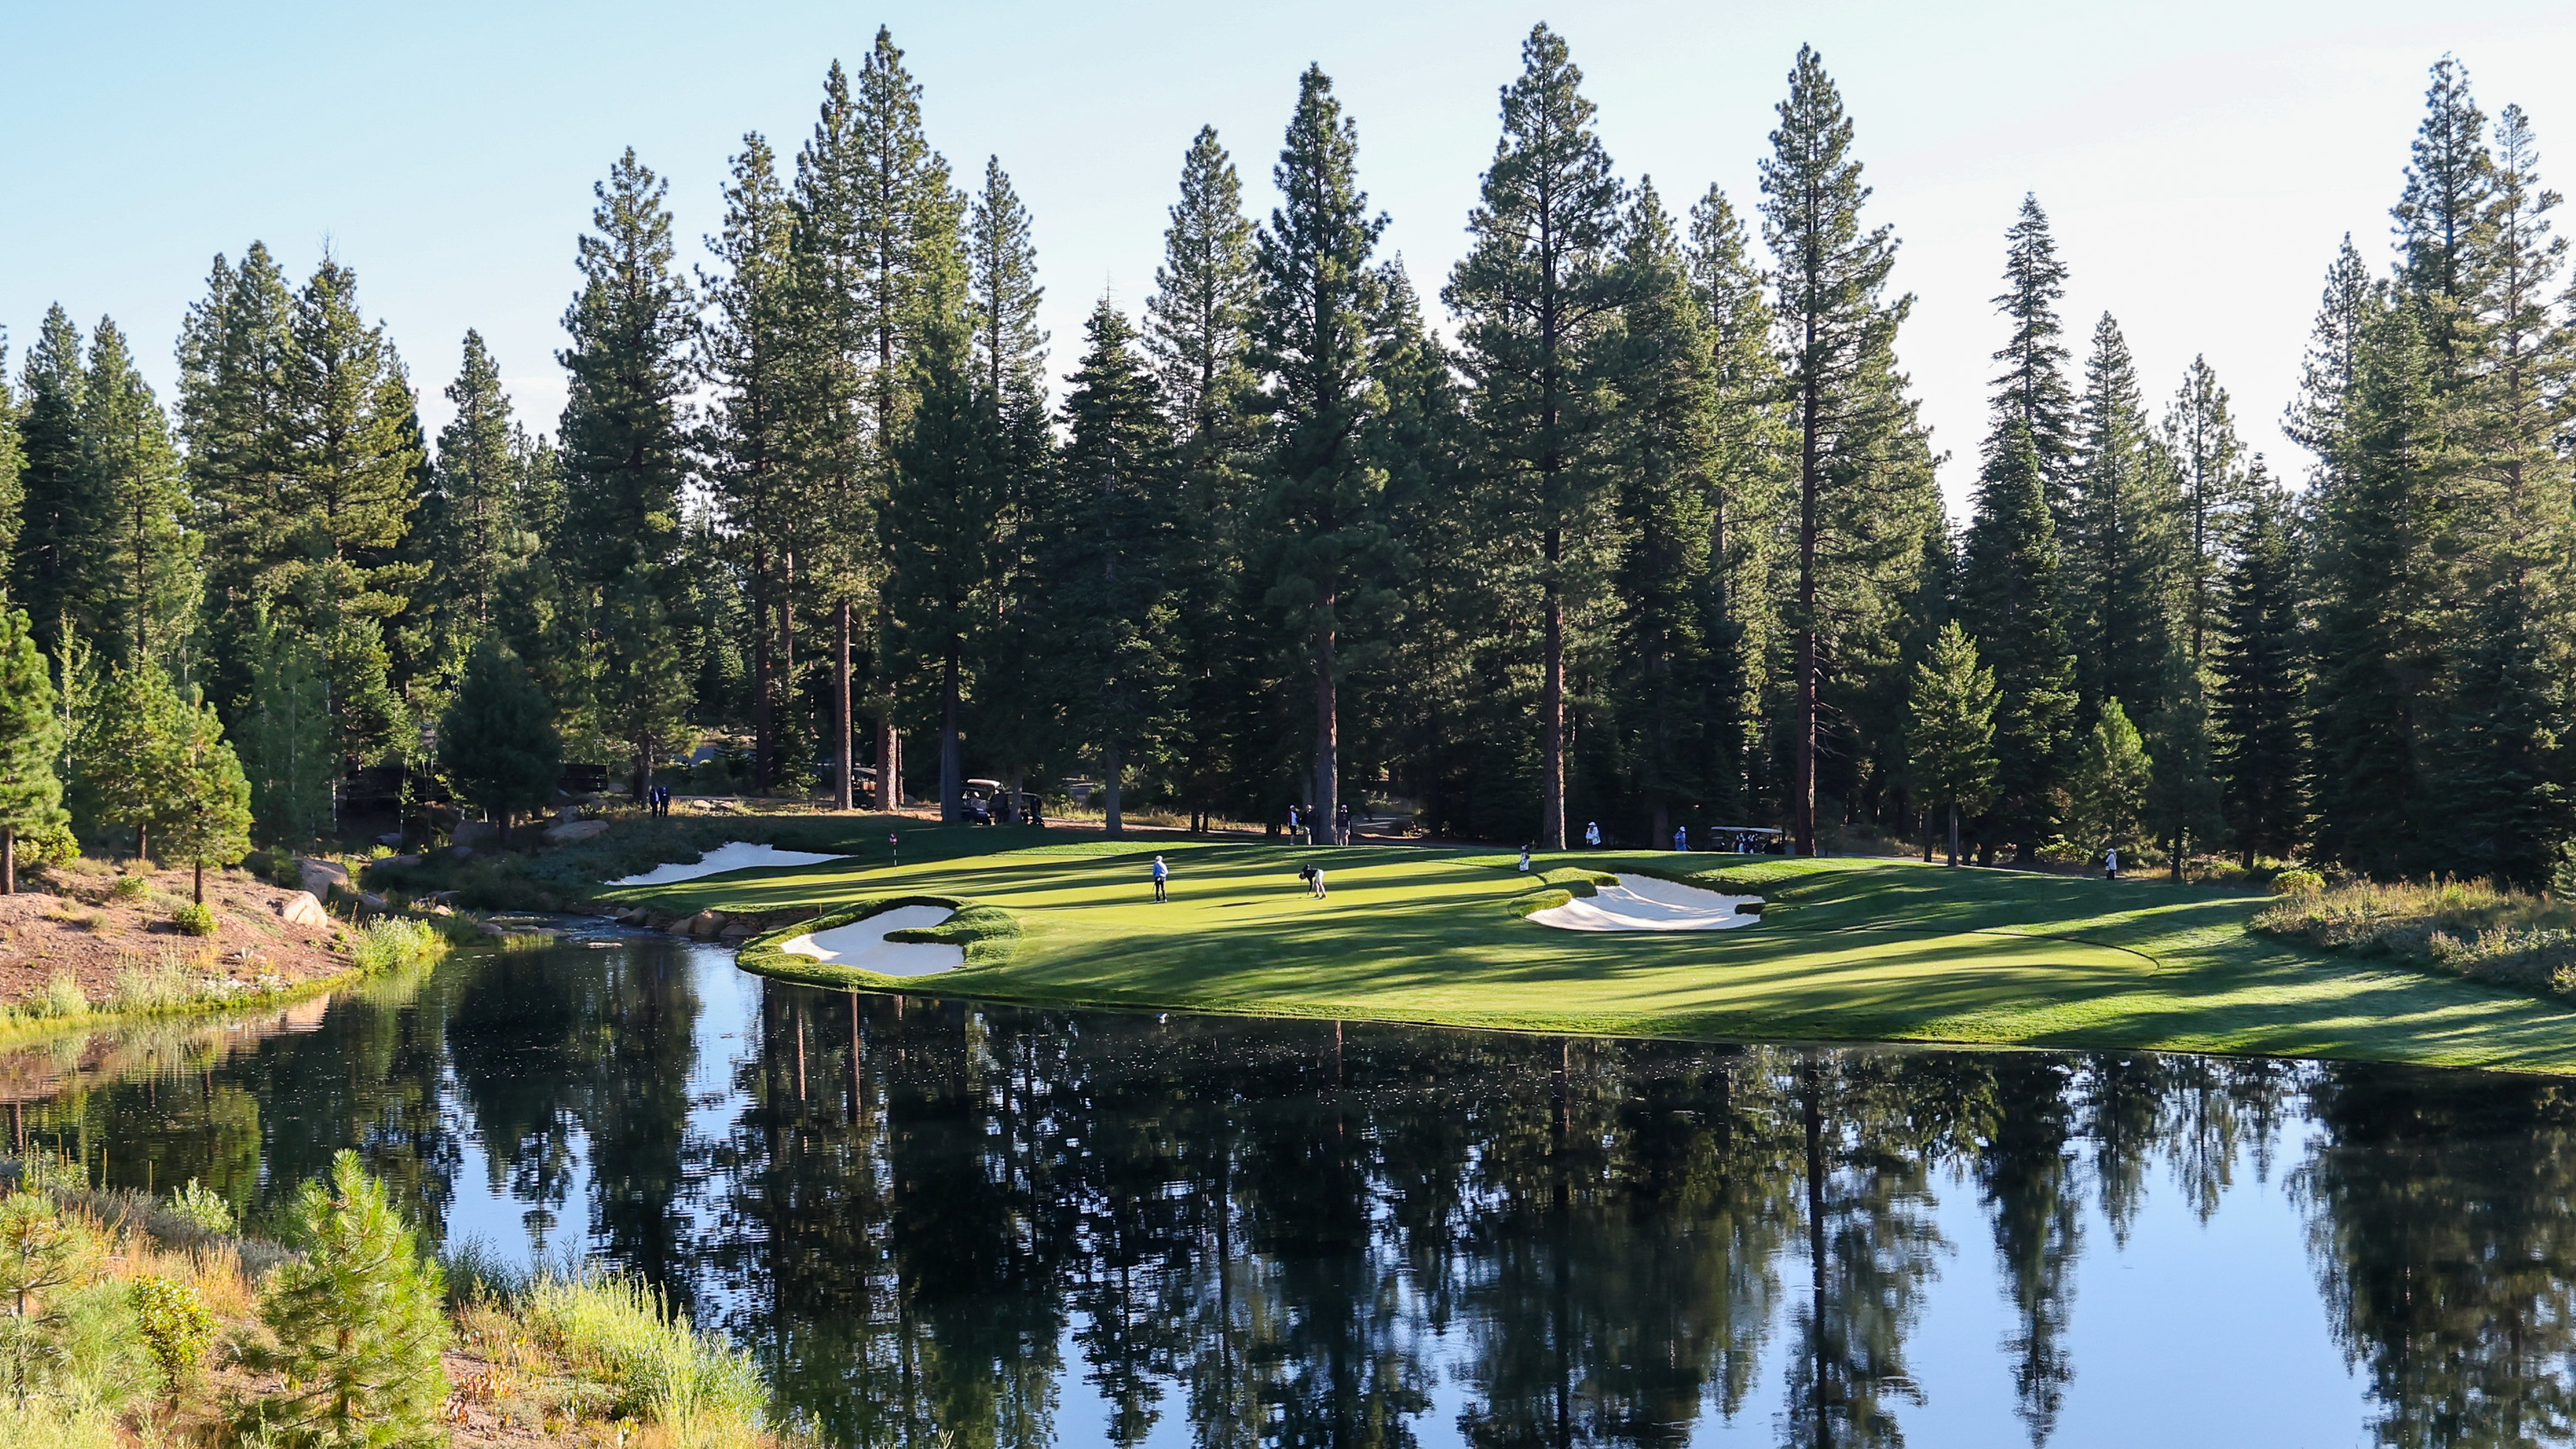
x: 2468, y: 928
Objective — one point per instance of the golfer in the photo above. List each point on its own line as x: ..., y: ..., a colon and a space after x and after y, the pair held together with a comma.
x: 1592, y: 834
x: 1524, y: 857
x: 1681, y: 838
x: 1162, y: 880
x: 1316, y: 881
x: 2111, y: 863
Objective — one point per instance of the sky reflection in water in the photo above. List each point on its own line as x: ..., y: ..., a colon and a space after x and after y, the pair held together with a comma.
x: 1030, y: 1228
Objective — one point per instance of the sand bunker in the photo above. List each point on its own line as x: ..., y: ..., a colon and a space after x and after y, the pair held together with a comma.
x: 1644, y: 903
x: 862, y: 944
x: 732, y: 855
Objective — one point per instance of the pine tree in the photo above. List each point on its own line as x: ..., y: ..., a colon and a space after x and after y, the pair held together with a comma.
x: 1108, y: 604
x: 2184, y: 801
x: 1325, y: 521
x: 1010, y: 358
x: 749, y: 352
x: 2124, y: 575
x: 1197, y: 331
x: 879, y: 236
x: 1862, y: 478
x: 471, y: 534
x: 2258, y: 695
x: 2009, y: 597
x: 2378, y: 646
x: 237, y: 416
x: 201, y: 812
x: 359, y: 1323
x: 1662, y: 440
x: 624, y: 449
x: 2032, y: 391
x: 2109, y: 787
x: 625, y: 459
x: 61, y: 518
x: 13, y: 460
x: 942, y: 516
x: 136, y: 576
x: 120, y: 753
x: 2502, y: 773
x: 1742, y: 622
x: 1950, y: 733
x: 1534, y: 295
x: 496, y: 742
x: 2319, y: 420
x: 285, y: 735
x: 2444, y: 225
x: 2200, y: 439
x: 2517, y: 502
x: 31, y: 741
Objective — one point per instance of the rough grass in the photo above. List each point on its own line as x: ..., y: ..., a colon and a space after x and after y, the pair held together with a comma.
x: 1851, y: 949
x: 391, y: 942
x: 619, y: 1332
x: 2467, y: 928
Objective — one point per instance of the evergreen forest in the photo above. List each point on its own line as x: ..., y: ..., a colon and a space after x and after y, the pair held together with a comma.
x: 1630, y: 518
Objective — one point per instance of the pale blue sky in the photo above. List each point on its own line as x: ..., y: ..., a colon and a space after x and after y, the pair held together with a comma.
x: 2199, y: 160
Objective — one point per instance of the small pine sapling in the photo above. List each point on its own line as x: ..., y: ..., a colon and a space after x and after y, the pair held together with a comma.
x: 178, y: 1329
x: 359, y: 1322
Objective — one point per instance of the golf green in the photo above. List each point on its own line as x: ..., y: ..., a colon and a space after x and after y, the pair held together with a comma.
x: 1848, y: 949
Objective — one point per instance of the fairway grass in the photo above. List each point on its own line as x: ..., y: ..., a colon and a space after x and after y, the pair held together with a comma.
x: 1849, y: 949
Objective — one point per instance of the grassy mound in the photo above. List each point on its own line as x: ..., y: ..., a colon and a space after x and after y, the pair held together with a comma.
x: 1854, y: 949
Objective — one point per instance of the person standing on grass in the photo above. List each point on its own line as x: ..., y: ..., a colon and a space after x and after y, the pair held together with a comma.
x: 1162, y: 880
x: 1292, y: 822
x: 1524, y: 857
x: 2111, y: 863
x: 1681, y: 839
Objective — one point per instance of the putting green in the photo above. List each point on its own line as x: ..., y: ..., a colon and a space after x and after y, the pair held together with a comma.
x: 1849, y: 949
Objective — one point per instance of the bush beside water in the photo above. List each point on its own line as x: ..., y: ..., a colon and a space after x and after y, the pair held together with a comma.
x: 2467, y: 928
x: 149, y: 1322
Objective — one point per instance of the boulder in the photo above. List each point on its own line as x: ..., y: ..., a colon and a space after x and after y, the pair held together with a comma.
x: 736, y: 931
x: 572, y: 830
x: 399, y: 861
x: 318, y: 877
x: 460, y: 852
x: 374, y: 902
x: 300, y: 909
x: 477, y: 833
x: 390, y: 842
x: 705, y: 923
x: 636, y: 916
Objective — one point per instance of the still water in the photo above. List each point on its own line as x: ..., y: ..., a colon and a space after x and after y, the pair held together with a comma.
x: 942, y: 1223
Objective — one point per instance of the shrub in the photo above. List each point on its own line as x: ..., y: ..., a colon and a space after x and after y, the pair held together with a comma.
x: 203, y: 1208
x: 132, y: 887
x: 359, y: 1322
x: 2298, y: 883
x: 663, y: 1370
x: 177, y: 1331
x: 63, y: 997
x: 390, y: 942
x: 161, y: 984
x: 42, y: 1248
x: 193, y: 919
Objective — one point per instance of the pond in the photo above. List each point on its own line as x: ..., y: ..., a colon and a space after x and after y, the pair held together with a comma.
x: 939, y: 1222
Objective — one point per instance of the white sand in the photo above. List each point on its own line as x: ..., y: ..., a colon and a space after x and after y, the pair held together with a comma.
x: 862, y: 944
x: 732, y: 855
x: 1644, y: 903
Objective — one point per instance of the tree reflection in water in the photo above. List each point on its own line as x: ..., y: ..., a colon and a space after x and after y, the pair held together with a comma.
x: 930, y: 1220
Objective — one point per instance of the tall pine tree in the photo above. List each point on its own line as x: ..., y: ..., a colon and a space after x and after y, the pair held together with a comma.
x: 2032, y: 391
x: 1534, y: 295
x: 2258, y: 699
x: 1325, y: 519
x: 2009, y: 597
x: 1862, y: 481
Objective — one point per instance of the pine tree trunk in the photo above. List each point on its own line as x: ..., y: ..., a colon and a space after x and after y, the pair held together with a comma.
x: 8, y: 860
x: 1328, y: 734
x: 1551, y: 729
x: 787, y: 640
x: 764, y: 738
x: 843, y: 797
x: 201, y: 881
x: 952, y: 762
x: 142, y: 844
x: 1802, y: 809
